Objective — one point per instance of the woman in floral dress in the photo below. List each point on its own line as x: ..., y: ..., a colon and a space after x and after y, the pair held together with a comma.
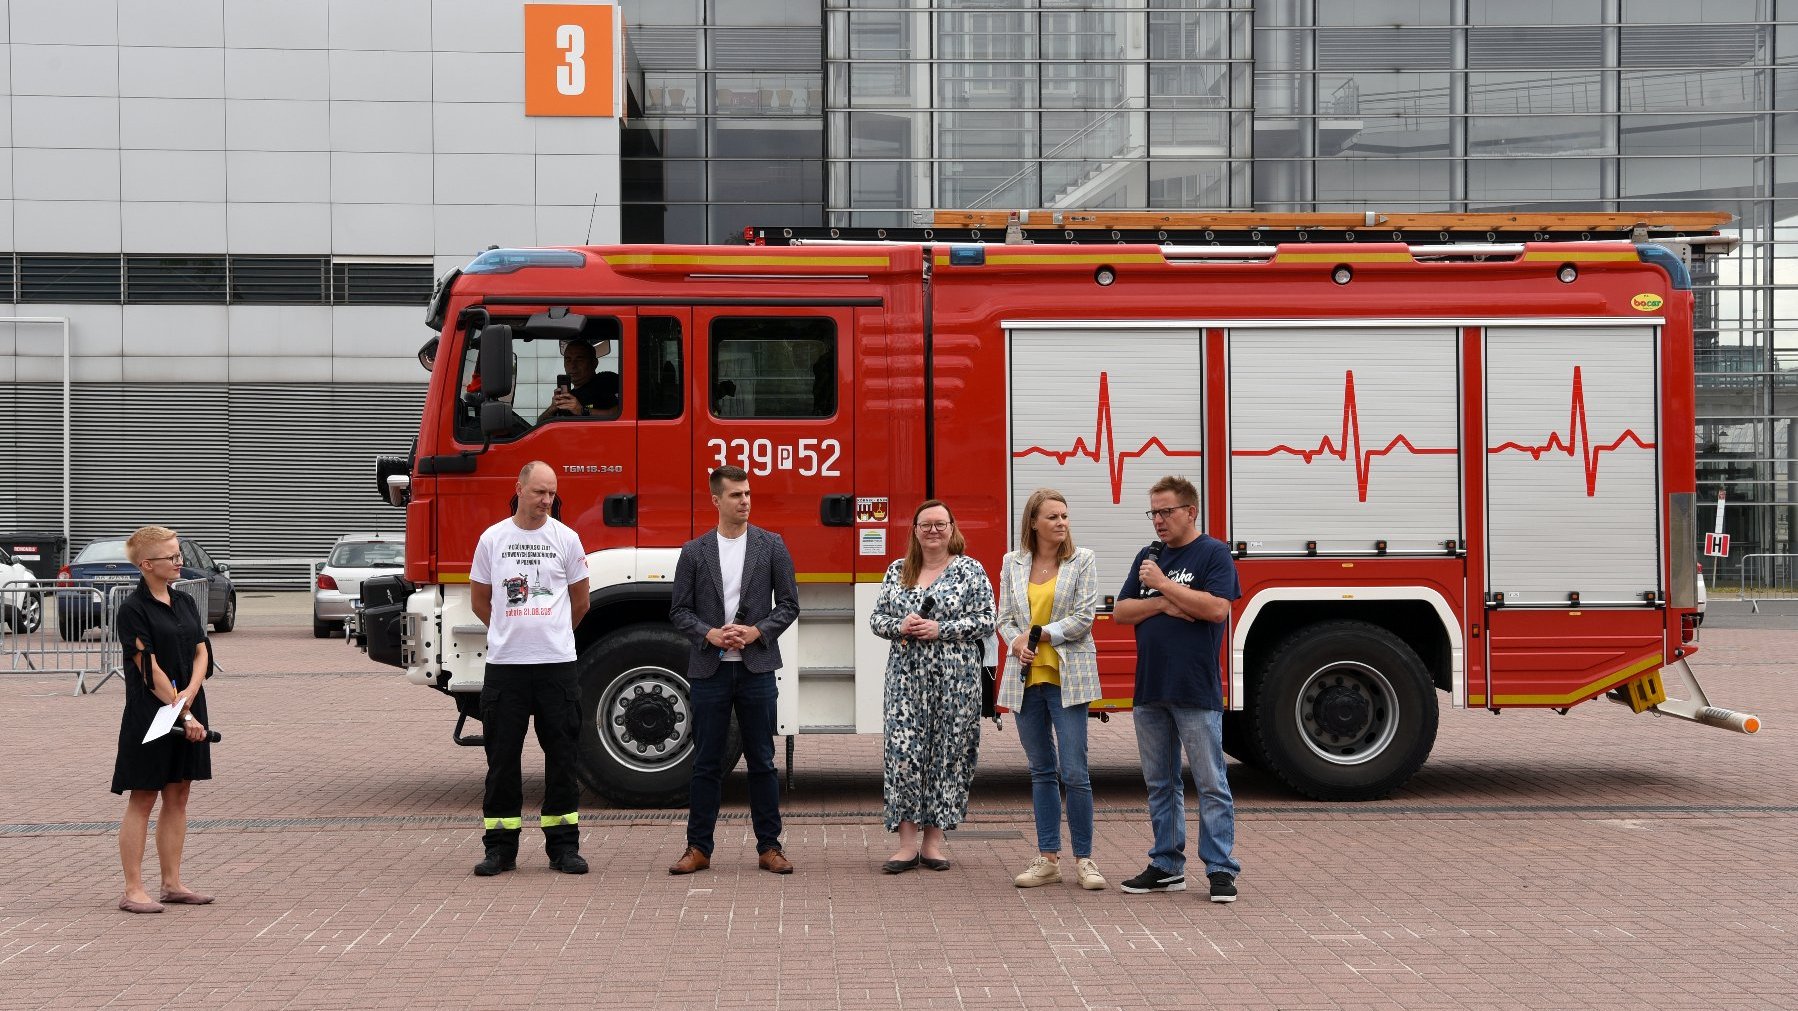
x: 936, y: 604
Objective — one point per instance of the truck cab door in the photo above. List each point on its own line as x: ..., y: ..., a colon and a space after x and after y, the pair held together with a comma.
x: 663, y: 507
x: 774, y: 399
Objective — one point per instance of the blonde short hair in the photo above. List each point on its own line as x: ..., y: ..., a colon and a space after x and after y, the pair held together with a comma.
x: 144, y: 538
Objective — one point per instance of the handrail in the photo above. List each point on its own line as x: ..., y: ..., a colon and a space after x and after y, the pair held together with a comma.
x: 1078, y: 135
x: 1777, y: 573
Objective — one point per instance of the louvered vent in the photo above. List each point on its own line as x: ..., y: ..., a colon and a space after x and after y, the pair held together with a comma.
x: 1385, y: 48
x: 279, y: 280
x: 190, y: 280
x: 249, y: 471
x: 1694, y: 45
x: 766, y: 49
x: 1535, y: 48
x: 665, y: 48
x: 49, y: 277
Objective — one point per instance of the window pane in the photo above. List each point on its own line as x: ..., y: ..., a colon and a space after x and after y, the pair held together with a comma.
x: 774, y: 368
x: 660, y: 377
x: 763, y: 181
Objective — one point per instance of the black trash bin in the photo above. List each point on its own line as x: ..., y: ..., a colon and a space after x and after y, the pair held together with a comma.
x: 41, y: 551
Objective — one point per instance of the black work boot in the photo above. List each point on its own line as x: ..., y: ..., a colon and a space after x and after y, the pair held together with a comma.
x: 496, y: 862
x: 563, y: 844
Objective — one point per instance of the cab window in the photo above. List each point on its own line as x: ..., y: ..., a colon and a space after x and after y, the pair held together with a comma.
x: 553, y: 381
x: 774, y: 367
x: 660, y: 380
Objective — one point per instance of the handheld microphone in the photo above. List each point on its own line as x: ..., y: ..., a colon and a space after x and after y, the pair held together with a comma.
x: 924, y: 610
x: 1154, y: 555
x: 212, y: 736
x: 1036, y: 636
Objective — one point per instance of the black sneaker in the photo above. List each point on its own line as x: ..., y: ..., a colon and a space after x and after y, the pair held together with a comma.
x: 569, y: 863
x: 1223, y: 887
x: 495, y: 863
x: 1154, y: 879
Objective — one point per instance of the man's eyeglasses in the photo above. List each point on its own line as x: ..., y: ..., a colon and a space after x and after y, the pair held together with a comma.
x: 935, y: 528
x: 1161, y: 514
x: 164, y: 558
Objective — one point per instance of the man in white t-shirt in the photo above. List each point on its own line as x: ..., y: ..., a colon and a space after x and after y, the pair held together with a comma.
x: 541, y: 571
x: 734, y: 594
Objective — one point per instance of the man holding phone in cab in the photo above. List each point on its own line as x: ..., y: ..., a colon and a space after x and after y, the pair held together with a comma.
x: 583, y: 391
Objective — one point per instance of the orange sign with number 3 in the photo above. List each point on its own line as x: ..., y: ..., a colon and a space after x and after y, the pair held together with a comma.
x: 570, y: 62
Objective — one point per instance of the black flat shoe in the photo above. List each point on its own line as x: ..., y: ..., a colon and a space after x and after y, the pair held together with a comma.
x: 934, y: 863
x: 900, y: 866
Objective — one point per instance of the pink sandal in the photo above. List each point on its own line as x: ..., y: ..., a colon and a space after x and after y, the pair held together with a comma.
x: 186, y: 898
x: 131, y: 905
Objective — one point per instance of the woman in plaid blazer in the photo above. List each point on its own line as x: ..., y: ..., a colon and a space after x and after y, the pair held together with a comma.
x: 1049, y: 584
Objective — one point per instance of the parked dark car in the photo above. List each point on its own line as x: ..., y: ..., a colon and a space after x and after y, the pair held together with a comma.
x: 103, y: 563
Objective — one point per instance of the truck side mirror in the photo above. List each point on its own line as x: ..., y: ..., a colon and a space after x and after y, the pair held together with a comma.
x: 495, y: 362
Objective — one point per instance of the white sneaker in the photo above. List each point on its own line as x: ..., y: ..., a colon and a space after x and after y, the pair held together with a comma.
x: 1087, y: 873
x: 1042, y: 871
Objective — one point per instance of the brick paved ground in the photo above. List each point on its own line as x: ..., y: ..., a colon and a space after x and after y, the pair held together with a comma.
x: 1594, y: 860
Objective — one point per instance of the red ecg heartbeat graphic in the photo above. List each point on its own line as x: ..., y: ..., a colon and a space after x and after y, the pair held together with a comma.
x: 1350, y: 442
x: 1577, y: 437
x: 1104, y: 446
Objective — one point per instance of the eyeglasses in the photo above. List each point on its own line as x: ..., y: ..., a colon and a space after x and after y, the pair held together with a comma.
x: 1161, y: 514
x: 165, y: 558
x: 935, y: 528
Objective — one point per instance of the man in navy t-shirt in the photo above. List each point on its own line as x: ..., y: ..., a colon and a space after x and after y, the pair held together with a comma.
x: 1178, y: 596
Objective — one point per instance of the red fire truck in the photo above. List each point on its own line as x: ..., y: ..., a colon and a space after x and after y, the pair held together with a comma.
x: 1452, y: 472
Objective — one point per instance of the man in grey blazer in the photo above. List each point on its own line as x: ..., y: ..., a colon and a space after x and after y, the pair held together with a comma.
x: 734, y: 594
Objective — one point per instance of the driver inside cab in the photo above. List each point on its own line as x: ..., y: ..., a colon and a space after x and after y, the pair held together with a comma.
x: 588, y: 392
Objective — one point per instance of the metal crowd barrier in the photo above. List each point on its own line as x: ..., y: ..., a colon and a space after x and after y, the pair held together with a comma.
x: 273, y: 573
x: 1767, y: 577
x: 56, y: 626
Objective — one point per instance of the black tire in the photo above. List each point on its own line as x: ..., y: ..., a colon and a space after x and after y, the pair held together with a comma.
x: 1344, y: 710
x: 323, y: 629
x: 228, y: 620
x: 70, y: 627
x: 636, y: 718
x: 27, y: 615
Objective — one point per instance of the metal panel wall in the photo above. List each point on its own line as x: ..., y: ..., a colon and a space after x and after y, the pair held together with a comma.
x: 1100, y: 416
x: 1346, y: 438
x: 1572, y: 464
x: 249, y: 470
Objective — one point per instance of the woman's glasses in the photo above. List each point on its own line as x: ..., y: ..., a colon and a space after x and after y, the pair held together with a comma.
x: 934, y: 528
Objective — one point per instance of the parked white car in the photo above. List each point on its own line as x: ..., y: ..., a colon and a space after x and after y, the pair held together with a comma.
x: 1703, y: 594
x: 353, y: 558
x: 20, y: 608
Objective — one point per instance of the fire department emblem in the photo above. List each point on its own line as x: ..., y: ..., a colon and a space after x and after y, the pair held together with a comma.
x: 870, y: 510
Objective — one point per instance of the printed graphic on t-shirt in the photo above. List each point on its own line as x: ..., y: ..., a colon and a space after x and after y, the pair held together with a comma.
x: 522, y: 587
x: 1182, y: 575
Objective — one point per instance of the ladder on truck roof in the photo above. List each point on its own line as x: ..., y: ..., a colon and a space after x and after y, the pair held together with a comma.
x: 1699, y: 231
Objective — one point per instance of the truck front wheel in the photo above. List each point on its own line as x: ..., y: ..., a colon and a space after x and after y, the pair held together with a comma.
x: 637, y: 718
x: 1344, y: 710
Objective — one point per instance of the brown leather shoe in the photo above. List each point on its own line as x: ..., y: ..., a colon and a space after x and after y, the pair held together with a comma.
x: 690, y: 861
x: 775, y: 861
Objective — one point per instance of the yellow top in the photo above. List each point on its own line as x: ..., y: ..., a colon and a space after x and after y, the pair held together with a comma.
x: 1047, y: 668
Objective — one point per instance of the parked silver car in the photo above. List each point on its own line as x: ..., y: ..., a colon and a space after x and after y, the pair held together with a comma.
x: 353, y: 558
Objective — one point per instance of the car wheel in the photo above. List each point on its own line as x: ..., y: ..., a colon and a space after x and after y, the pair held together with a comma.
x: 323, y: 629
x: 636, y: 718
x: 70, y: 627
x: 25, y: 618
x: 228, y: 620
x: 1344, y: 711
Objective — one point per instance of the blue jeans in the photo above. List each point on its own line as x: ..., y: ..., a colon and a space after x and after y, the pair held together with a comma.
x: 1161, y: 732
x: 752, y: 697
x: 1043, y: 722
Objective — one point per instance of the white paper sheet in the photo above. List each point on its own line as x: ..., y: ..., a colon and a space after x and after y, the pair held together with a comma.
x: 165, y: 718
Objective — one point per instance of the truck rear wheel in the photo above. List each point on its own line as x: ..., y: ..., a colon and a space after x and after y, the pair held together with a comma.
x: 637, y: 718
x: 1344, y: 710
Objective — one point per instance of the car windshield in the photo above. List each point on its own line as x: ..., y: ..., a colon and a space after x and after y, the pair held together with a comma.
x: 368, y: 555
x: 103, y: 551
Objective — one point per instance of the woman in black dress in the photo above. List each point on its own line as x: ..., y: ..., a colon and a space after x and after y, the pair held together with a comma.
x: 166, y: 655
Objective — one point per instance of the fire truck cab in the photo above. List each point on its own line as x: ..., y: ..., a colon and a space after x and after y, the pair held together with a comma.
x: 1449, y: 472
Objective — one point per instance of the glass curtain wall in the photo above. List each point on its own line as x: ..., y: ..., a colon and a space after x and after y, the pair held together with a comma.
x: 1035, y: 103
x: 1572, y: 105
x: 729, y: 128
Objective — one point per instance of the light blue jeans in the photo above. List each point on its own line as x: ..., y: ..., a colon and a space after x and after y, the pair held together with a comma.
x: 1044, y: 723
x: 1162, y: 732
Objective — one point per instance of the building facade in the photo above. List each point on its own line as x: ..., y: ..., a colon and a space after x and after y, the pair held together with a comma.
x: 238, y: 204
x: 1273, y: 105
